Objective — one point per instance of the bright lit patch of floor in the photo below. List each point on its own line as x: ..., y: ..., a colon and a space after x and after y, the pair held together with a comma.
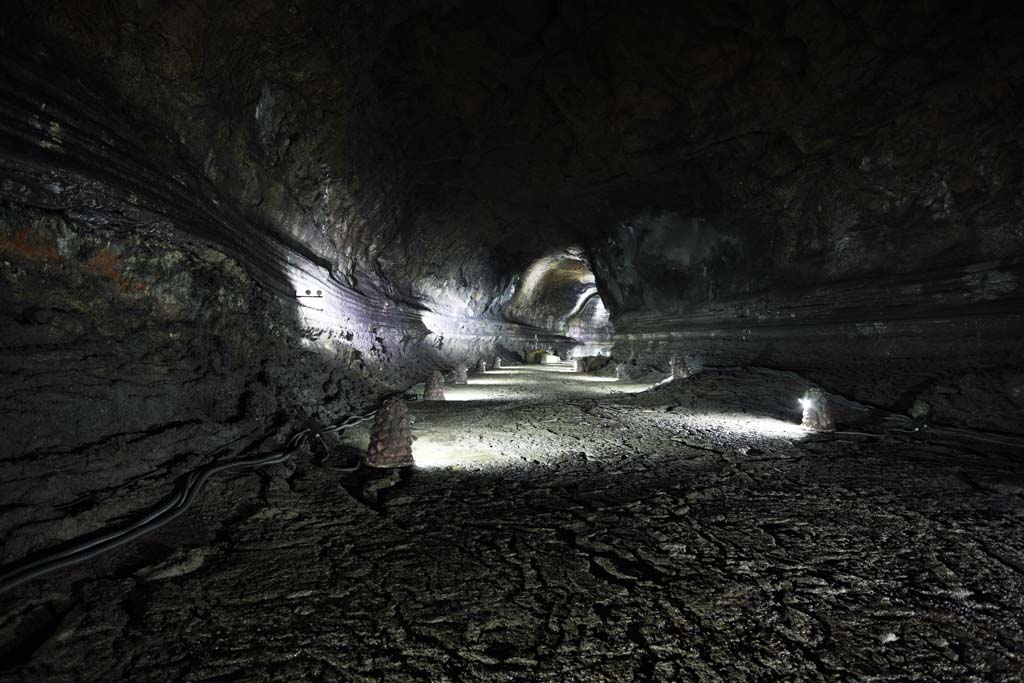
x: 531, y: 414
x: 538, y: 382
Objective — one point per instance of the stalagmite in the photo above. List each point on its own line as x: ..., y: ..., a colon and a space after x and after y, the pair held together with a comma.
x: 622, y: 372
x: 481, y: 366
x: 460, y: 374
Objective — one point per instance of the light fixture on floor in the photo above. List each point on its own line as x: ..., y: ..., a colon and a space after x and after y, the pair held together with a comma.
x: 817, y: 413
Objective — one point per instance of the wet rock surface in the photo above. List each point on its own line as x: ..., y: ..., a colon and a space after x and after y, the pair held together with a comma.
x: 692, y: 532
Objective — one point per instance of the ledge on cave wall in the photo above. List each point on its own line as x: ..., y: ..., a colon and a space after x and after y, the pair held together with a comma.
x: 943, y: 334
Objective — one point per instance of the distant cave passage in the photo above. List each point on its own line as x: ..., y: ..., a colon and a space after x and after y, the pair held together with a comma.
x: 558, y: 292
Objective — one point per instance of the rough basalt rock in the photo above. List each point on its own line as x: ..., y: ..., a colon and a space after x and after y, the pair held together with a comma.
x: 391, y: 437
x: 590, y: 363
x: 434, y: 387
x: 779, y: 557
x: 686, y: 365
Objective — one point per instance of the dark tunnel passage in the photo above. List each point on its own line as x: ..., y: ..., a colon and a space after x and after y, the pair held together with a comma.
x: 534, y: 340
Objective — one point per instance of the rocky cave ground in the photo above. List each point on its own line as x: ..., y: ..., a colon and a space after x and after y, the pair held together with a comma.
x: 569, y: 527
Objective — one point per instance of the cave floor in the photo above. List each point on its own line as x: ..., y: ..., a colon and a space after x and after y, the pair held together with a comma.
x: 560, y: 528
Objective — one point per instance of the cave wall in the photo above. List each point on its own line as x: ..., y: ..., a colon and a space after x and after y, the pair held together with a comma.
x: 551, y: 291
x: 829, y: 187
x: 264, y: 100
x: 862, y: 223
x: 276, y: 110
x: 947, y: 334
x: 590, y: 323
x: 161, y: 223
x: 127, y: 360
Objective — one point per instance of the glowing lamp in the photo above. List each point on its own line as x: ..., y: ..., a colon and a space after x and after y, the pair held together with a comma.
x: 817, y: 413
x: 497, y: 363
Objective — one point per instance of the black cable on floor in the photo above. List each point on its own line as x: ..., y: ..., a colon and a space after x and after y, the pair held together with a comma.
x: 160, y: 517
x: 166, y: 513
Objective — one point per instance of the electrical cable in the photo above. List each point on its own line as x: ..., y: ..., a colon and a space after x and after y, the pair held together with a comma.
x: 160, y: 517
x: 168, y: 511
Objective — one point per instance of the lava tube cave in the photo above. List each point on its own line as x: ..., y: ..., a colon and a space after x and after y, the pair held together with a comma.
x: 519, y: 341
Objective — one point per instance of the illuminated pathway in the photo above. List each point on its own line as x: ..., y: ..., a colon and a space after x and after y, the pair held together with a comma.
x: 557, y: 531
x: 518, y: 415
x: 544, y: 382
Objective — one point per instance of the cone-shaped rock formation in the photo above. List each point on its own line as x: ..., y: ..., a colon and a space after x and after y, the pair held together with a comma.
x: 391, y: 438
x: 434, y: 389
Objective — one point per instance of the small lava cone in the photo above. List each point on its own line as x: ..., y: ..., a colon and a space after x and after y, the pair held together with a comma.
x: 434, y: 389
x: 391, y: 438
x: 680, y: 368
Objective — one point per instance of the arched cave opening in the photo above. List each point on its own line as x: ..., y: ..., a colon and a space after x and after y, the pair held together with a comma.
x: 559, y: 292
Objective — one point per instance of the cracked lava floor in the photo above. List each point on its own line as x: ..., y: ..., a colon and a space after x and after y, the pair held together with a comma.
x: 562, y: 527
